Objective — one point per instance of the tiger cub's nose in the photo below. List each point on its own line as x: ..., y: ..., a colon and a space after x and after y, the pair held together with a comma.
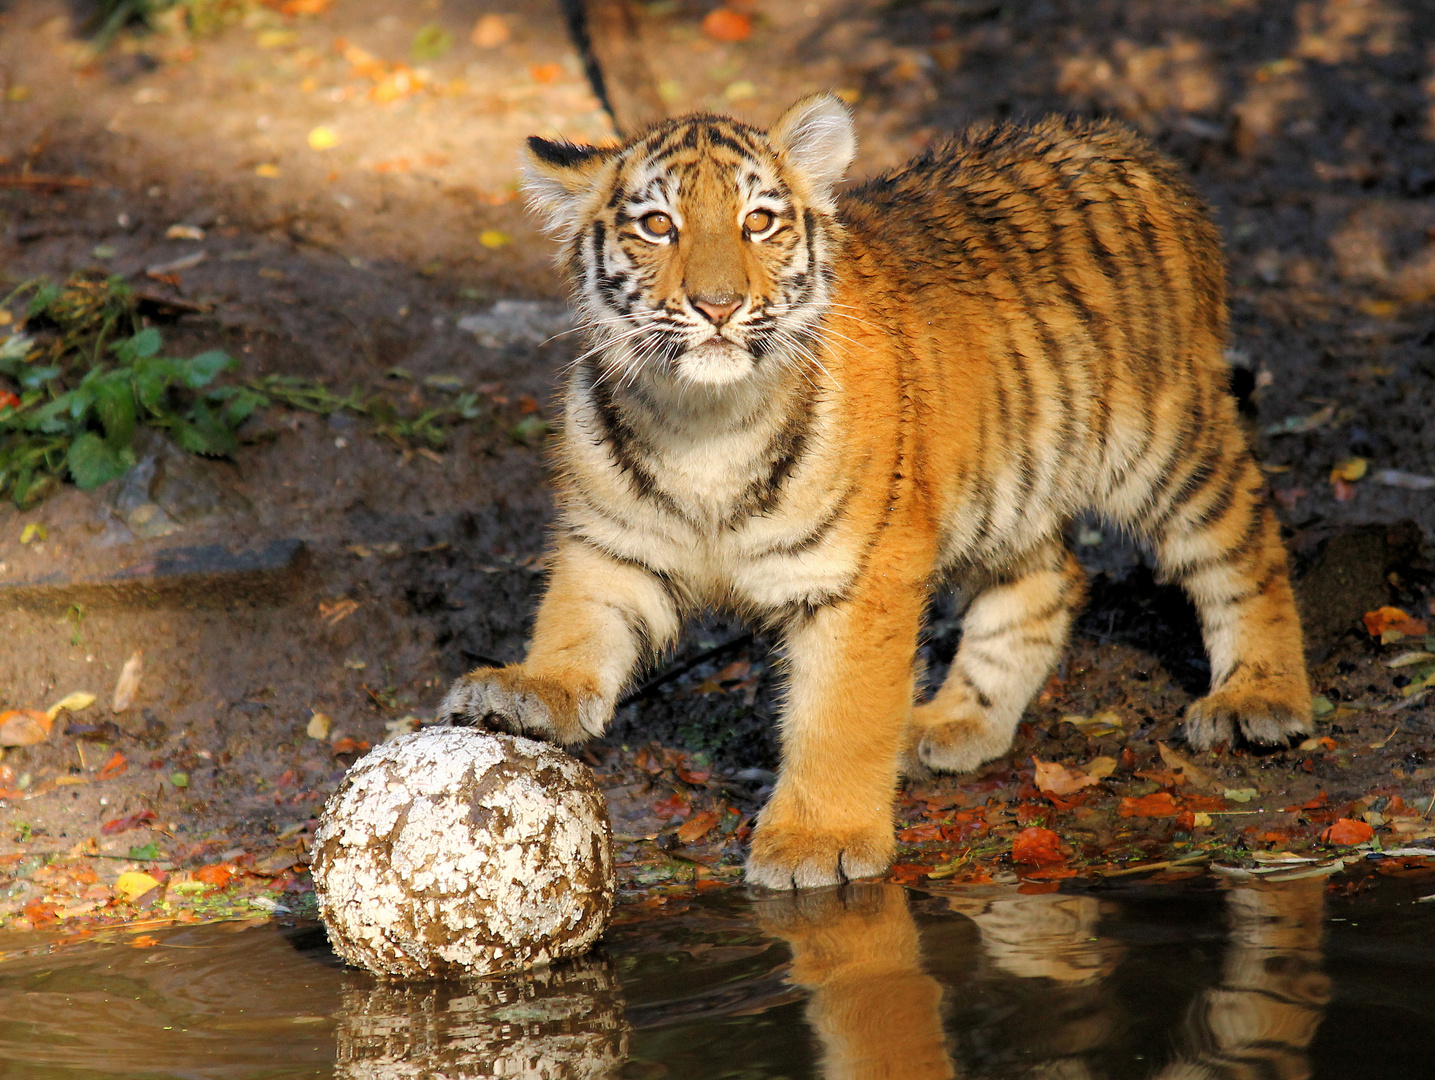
x: 716, y: 310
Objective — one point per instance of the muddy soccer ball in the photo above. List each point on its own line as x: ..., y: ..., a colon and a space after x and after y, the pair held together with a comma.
x: 459, y: 852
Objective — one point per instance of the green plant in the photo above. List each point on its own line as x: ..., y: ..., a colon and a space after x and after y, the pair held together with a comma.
x: 64, y: 422
x: 87, y: 374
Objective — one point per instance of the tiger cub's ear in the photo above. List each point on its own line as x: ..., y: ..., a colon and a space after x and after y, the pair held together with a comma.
x: 556, y: 178
x: 816, y: 138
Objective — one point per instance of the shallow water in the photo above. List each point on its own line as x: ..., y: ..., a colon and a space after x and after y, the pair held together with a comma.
x: 1285, y: 981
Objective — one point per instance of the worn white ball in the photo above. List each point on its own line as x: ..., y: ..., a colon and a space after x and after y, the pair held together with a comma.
x: 457, y: 852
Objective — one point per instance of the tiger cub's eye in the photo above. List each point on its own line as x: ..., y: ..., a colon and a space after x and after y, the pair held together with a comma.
x: 757, y: 221
x: 657, y: 223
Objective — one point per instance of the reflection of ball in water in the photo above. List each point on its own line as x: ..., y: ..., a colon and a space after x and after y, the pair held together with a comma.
x: 459, y: 852
x: 560, y: 1023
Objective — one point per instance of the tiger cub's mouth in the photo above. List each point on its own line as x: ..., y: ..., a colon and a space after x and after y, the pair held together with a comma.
x: 715, y: 362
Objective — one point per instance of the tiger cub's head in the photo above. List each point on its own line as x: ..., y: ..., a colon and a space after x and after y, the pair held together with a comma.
x: 700, y: 249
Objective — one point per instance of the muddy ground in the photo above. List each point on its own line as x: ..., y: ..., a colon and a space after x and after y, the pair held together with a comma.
x: 351, y: 207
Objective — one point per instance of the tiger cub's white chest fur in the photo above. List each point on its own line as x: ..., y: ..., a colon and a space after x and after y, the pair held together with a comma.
x: 742, y: 512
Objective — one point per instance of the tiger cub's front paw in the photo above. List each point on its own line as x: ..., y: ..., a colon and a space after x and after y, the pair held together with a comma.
x: 1265, y: 715
x: 509, y: 699
x: 801, y: 858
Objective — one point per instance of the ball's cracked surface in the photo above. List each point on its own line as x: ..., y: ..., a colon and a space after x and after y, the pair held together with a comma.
x: 453, y: 851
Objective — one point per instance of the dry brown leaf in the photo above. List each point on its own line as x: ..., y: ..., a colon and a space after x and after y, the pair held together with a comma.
x: 1057, y: 779
x: 1176, y: 763
x: 1101, y: 767
x: 128, y: 682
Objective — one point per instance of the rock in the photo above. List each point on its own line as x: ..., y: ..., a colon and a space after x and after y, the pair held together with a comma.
x: 517, y: 322
x: 559, y: 1023
x: 459, y: 852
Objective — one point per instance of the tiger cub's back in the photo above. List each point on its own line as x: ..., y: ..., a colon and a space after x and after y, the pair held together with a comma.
x: 1063, y: 287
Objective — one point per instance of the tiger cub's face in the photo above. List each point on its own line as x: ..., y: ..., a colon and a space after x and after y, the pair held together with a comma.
x: 700, y: 249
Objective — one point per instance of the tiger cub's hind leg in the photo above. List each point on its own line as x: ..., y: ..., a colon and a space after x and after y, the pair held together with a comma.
x: 1223, y: 545
x: 1012, y: 636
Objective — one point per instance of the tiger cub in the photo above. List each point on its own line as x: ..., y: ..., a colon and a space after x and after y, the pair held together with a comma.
x: 814, y: 409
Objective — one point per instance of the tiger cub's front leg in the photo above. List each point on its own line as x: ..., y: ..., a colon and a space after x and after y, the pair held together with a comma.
x: 598, y: 618
x: 848, y: 696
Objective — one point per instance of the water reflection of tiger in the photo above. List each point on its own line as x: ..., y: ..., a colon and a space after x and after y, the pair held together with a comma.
x: 877, y: 1013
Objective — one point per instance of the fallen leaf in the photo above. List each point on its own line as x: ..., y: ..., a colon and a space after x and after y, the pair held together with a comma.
x: 1347, y: 832
x: 34, y: 532
x: 697, y: 826
x: 431, y: 42
x: 126, y: 823
x: 144, y: 941
x: 184, y: 232
x: 921, y: 834
x: 1297, y: 425
x: 1349, y: 469
x: 24, y: 727
x: 676, y: 805
x: 179, y: 779
x: 40, y: 913
x: 1161, y: 804
x: 128, y: 682
x: 1037, y: 847
x: 1174, y: 761
x: 334, y: 612
x: 319, y: 726
x: 216, y: 875
x: 1107, y: 722
x: 1240, y: 795
x: 268, y: 170
x: 490, y: 32
x: 1101, y: 767
x: 494, y: 238
x: 71, y: 703
x: 347, y: 745
x: 1385, y: 619
x: 323, y: 137
x: 1055, y: 779
x: 724, y: 24
x: 116, y: 765
x: 133, y: 884
x: 1205, y: 803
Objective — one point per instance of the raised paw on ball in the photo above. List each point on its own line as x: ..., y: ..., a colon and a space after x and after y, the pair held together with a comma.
x: 512, y: 700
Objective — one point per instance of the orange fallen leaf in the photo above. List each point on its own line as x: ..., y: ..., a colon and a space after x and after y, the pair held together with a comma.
x: 1384, y: 619
x: 724, y: 24
x: 24, y: 727
x: 1347, y: 832
x: 1038, y: 846
x: 1203, y: 803
x: 920, y: 834
x: 216, y: 875
x: 1055, y: 779
x: 40, y: 913
x: 1310, y: 804
x: 144, y: 941
x: 697, y: 826
x: 124, y: 824
x: 677, y: 805
x: 1161, y: 804
x: 116, y: 765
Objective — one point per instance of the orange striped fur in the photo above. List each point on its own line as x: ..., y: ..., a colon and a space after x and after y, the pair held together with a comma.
x: 816, y: 409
